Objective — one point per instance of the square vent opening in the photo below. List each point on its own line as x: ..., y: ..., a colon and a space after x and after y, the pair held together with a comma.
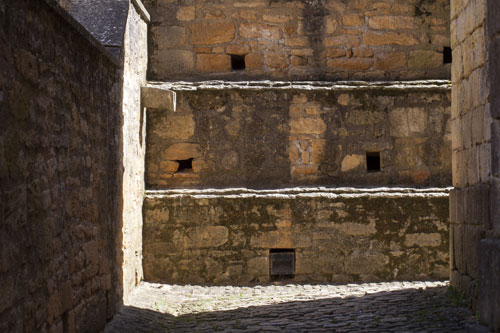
x: 372, y: 161
x: 185, y: 165
x: 282, y: 264
x: 237, y: 62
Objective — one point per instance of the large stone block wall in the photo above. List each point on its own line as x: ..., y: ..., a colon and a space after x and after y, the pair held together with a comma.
x: 59, y: 155
x: 489, y: 248
x: 341, y: 236
x: 471, y: 142
x: 282, y: 39
x: 134, y: 148
x: 475, y: 216
x: 258, y: 136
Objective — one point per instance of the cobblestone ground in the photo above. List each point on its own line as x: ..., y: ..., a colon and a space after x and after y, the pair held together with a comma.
x: 372, y: 307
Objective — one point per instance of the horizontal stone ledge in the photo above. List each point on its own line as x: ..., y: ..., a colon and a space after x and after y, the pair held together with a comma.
x: 292, y: 193
x: 303, y: 85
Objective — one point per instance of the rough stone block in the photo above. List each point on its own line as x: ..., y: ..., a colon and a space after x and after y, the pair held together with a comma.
x: 494, y: 218
x: 213, y: 62
x: 377, y: 39
x: 175, y: 61
x: 169, y: 37
x: 186, y: 13
x: 495, y: 148
x: 423, y: 240
x: 157, y: 98
x: 206, y: 237
x: 353, y: 20
x: 489, y: 283
x: 307, y: 126
x: 182, y: 151
x: 259, y: 30
x: 209, y: 33
x: 494, y: 70
x: 350, y: 64
x: 393, y: 22
x: 390, y: 61
x: 425, y: 59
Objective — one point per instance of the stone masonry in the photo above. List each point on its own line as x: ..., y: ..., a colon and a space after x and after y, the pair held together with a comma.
x: 300, y: 39
x: 78, y: 114
x: 287, y: 134
x: 475, y: 217
x: 224, y: 237
x: 60, y: 96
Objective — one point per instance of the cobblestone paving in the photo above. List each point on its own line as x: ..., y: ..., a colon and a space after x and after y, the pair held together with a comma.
x: 372, y: 307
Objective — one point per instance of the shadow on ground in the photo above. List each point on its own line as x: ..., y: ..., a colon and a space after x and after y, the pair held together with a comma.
x: 408, y: 310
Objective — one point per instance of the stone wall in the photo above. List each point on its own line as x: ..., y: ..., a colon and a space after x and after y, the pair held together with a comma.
x: 340, y: 236
x: 471, y: 142
x: 475, y: 216
x: 489, y: 248
x: 301, y: 39
x: 258, y: 136
x: 134, y: 77
x: 59, y: 155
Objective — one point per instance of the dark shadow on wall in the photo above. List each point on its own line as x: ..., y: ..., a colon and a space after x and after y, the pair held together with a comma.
x: 410, y: 310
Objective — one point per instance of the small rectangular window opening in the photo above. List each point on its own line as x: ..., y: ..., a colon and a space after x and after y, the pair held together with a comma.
x: 447, y: 55
x: 372, y: 161
x: 185, y: 165
x: 237, y: 62
x: 281, y: 264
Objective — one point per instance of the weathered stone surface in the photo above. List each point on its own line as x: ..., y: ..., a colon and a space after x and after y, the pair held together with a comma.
x: 316, y: 32
x: 351, y: 162
x: 307, y: 126
x: 377, y: 39
x: 64, y: 170
x: 209, y: 237
x: 157, y: 98
x: 425, y: 59
x: 342, y: 238
x: 182, y: 151
x: 304, y: 136
x: 213, y: 62
x: 186, y: 13
x: 259, y: 30
x: 211, y: 33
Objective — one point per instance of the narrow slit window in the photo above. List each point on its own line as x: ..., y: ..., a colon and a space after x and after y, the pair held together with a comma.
x: 282, y: 264
x: 373, y: 161
x: 237, y: 62
x: 447, y: 55
x: 185, y: 165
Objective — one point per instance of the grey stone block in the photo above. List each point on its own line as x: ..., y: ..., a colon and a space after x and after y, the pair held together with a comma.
x: 493, y: 13
x: 495, y: 77
x: 495, y: 148
x: 489, y: 283
x: 494, y: 204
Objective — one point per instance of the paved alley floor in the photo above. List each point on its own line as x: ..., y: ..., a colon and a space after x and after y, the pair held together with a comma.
x: 371, y: 307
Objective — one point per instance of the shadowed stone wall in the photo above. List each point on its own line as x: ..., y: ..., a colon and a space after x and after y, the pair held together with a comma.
x: 59, y: 159
x: 277, y: 135
x: 475, y: 216
x: 340, y: 236
x: 306, y: 39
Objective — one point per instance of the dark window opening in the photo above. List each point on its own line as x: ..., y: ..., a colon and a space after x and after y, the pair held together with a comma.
x: 447, y: 55
x: 185, y: 165
x: 373, y: 161
x: 237, y: 62
x: 282, y: 264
